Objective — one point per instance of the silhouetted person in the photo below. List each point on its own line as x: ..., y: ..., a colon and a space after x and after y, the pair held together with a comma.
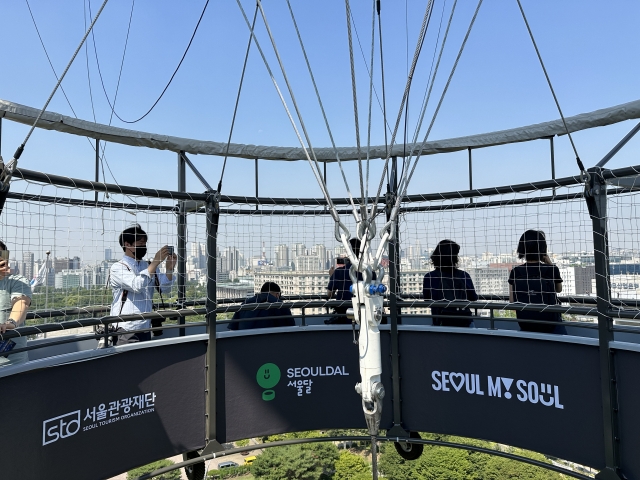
x: 536, y: 281
x: 269, y: 293
x: 447, y: 282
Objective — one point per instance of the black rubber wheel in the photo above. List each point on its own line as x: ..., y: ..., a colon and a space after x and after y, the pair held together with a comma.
x: 196, y: 471
x: 410, y: 451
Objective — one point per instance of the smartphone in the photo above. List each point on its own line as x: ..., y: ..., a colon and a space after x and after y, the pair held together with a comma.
x: 170, y: 248
x: 340, y: 261
x: 4, y: 254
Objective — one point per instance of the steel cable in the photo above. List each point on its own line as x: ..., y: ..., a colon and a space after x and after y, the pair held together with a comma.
x: 10, y: 167
x: 355, y: 100
x: 170, y: 79
x: 555, y: 98
x: 324, y: 114
x: 235, y: 109
x: 435, y: 114
x: 421, y: 37
x: 428, y: 96
x: 373, y: 45
x: 316, y: 173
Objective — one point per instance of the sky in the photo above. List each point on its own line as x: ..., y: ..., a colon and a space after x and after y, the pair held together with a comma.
x: 590, y: 52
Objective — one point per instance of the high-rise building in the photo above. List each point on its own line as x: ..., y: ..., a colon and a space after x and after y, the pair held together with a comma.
x: 282, y: 256
x: 74, y: 263
x: 60, y: 264
x: 307, y: 263
x: 232, y: 259
x: 298, y: 249
x: 69, y: 279
x: 108, y: 254
x: 27, y: 265
x: 199, y: 252
x: 321, y: 251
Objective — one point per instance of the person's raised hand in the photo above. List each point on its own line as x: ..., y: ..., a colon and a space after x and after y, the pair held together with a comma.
x: 161, y: 254
x: 331, y: 270
x: 171, y: 262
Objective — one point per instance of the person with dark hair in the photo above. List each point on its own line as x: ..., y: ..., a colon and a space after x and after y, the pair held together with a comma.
x: 134, y: 281
x: 264, y: 318
x: 340, y: 284
x: 15, y: 298
x: 536, y: 281
x: 448, y: 282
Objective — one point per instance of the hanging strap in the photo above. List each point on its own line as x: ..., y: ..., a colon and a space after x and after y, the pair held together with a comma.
x: 157, y: 287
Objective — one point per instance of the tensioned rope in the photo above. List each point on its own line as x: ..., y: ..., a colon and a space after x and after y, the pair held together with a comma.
x: 384, y: 100
x: 366, y: 65
x: 324, y: 114
x: 235, y: 109
x: 316, y: 172
x: 46, y: 52
x: 432, y: 75
x: 7, y: 171
x: 102, y: 154
x: 355, y: 100
x: 416, y: 55
x: 373, y: 46
x: 184, y: 55
x: 431, y: 84
x: 583, y: 171
x: 49, y: 58
x: 405, y: 184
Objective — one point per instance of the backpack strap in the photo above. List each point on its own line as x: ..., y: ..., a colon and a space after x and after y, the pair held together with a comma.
x: 123, y: 300
x: 157, y: 287
x: 125, y: 293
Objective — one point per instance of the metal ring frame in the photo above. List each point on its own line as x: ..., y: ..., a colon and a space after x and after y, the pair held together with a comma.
x: 491, y: 304
x: 298, y: 441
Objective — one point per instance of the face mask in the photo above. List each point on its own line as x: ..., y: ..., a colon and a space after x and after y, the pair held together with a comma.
x: 140, y: 252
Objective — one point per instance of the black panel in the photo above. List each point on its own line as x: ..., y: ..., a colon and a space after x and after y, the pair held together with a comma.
x: 573, y: 432
x: 627, y: 368
x: 331, y: 402
x: 51, y: 435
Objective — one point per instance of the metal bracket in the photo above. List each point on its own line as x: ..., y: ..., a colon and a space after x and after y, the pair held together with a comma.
x: 213, y: 446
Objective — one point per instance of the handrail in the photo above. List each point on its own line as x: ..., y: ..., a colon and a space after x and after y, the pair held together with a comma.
x: 59, y: 180
x: 417, y: 441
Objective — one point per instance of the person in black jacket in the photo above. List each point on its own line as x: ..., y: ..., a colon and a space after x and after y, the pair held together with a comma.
x: 537, y: 281
x: 269, y: 293
x: 448, y: 282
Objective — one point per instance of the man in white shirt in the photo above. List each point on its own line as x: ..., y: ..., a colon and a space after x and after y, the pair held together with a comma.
x: 133, y: 282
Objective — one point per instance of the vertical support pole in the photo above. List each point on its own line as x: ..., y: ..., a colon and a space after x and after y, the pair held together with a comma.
x: 213, y: 216
x: 182, y: 240
x: 394, y: 288
x: 97, y: 164
x: 596, y: 196
x: 257, y: 184
x: 553, y: 162
x: 325, y: 170
x: 470, y: 173
x: 1, y: 136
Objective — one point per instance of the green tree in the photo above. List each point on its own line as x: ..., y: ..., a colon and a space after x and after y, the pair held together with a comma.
x: 459, y: 464
x: 350, y: 466
x: 291, y: 435
x: 138, y: 472
x: 299, y: 462
x: 500, y: 468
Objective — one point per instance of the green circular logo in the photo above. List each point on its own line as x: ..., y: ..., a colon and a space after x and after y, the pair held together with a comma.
x: 268, y: 375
